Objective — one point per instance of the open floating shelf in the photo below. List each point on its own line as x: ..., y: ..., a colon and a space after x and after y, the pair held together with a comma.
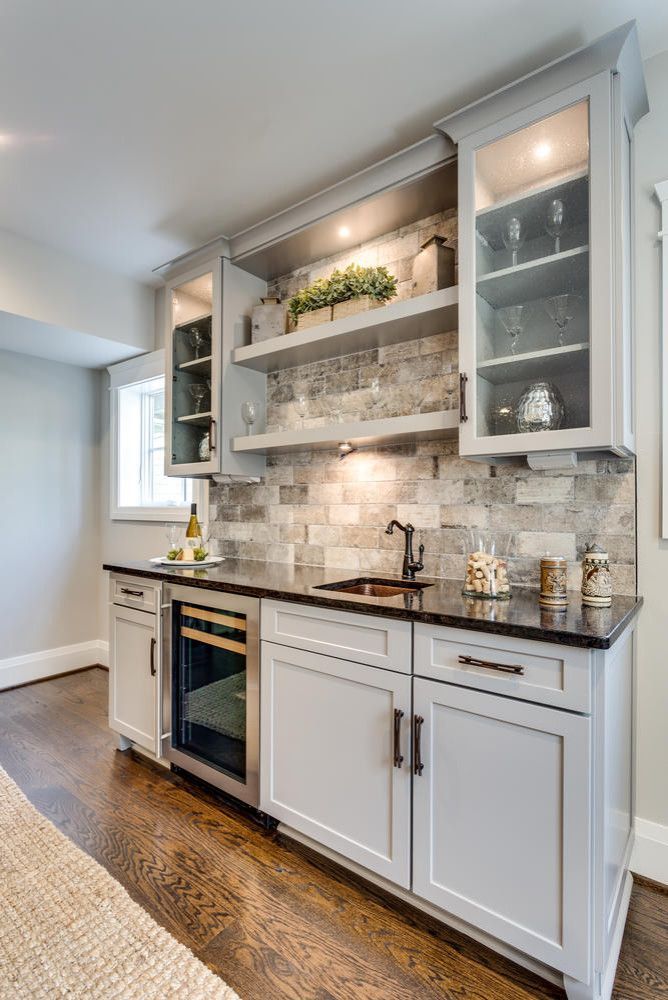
x: 198, y: 366
x: 360, y: 433
x: 196, y: 419
x: 533, y: 364
x: 552, y: 275
x: 409, y: 319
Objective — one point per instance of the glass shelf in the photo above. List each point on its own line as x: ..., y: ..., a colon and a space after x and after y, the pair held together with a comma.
x: 191, y: 365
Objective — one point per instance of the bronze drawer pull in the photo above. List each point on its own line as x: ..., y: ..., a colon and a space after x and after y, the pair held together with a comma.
x: 153, y: 642
x: 132, y: 593
x: 463, y: 416
x: 398, y: 716
x: 213, y: 439
x: 418, y: 766
x: 506, y: 668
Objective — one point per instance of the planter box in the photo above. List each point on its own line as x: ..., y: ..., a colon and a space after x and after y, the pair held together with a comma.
x: 314, y: 318
x: 267, y: 321
x: 352, y: 306
x: 433, y: 267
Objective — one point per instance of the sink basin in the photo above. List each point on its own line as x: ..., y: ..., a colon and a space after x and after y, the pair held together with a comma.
x: 368, y: 586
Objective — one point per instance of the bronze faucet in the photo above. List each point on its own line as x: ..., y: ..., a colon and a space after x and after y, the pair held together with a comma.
x: 410, y: 567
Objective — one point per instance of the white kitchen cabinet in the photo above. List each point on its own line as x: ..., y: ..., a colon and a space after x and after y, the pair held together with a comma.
x: 501, y: 820
x: 208, y: 315
x: 134, y: 676
x: 545, y: 222
x: 335, y: 756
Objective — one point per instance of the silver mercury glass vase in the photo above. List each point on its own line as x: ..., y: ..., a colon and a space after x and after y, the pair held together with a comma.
x: 540, y: 408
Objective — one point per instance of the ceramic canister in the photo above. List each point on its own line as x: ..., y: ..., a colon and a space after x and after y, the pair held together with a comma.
x: 553, y: 582
x: 596, y: 579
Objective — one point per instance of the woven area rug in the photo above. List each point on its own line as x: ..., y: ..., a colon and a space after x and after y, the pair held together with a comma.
x: 68, y: 929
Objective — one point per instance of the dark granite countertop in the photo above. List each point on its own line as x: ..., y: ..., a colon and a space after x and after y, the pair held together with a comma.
x: 439, y: 604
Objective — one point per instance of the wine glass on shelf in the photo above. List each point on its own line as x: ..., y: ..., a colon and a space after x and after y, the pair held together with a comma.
x: 197, y: 339
x: 554, y: 223
x: 513, y: 319
x: 300, y: 404
x: 198, y: 391
x: 336, y: 407
x: 249, y: 415
x: 375, y: 392
x: 561, y: 310
x: 513, y: 236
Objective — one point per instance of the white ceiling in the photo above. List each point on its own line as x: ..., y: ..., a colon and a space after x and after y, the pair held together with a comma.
x: 132, y: 130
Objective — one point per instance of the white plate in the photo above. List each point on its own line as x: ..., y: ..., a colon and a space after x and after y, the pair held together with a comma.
x: 187, y: 564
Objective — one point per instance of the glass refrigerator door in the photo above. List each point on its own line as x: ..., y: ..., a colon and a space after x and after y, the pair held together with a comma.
x: 532, y: 235
x: 210, y: 688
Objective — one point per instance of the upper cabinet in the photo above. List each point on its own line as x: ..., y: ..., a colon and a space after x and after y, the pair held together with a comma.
x: 208, y: 308
x: 545, y: 332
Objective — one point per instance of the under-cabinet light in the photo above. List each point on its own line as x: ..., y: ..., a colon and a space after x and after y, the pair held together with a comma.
x: 345, y: 448
x: 344, y: 232
x: 542, y: 150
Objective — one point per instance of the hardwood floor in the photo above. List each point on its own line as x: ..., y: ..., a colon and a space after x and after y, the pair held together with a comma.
x: 273, y: 920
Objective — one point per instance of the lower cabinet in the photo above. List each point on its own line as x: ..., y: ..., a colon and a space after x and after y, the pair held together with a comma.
x: 134, y: 676
x: 336, y: 762
x: 501, y: 820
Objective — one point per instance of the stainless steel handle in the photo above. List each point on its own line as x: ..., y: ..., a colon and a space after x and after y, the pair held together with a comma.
x: 418, y: 766
x: 463, y: 379
x: 213, y: 442
x: 398, y: 716
x: 153, y: 645
x: 132, y: 593
x: 506, y: 668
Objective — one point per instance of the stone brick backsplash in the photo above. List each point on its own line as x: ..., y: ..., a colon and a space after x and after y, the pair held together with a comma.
x: 316, y: 509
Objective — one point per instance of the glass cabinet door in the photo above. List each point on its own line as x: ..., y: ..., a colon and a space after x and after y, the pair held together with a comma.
x: 526, y: 344
x: 192, y: 358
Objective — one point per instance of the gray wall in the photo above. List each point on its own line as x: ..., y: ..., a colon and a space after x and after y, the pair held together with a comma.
x: 49, y: 505
x: 651, y: 166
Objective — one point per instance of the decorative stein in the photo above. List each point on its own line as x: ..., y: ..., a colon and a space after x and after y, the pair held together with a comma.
x: 596, y: 579
x: 553, y: 582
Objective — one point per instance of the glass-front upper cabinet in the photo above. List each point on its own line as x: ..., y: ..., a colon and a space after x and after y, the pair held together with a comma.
x: 193, y: 364
x: 544, y: 265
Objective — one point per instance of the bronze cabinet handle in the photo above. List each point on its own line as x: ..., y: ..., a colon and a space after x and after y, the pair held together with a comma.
x: 153, y: 645
x: 418, y: 766
x: 506, y: 668
x: 212, y: 434
x: 132, y: 593
x: 398, y: 716
x: 463, y: 379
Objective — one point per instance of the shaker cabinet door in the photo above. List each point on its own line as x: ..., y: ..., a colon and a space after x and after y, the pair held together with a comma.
x: 536, y: 277
x: 332, y: 739
x: 134, y: 676
x: 501, y: 830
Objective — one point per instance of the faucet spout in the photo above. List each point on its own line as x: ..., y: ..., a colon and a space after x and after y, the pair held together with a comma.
x: 410, y: 566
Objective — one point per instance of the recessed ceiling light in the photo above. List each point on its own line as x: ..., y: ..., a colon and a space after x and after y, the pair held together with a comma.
x: 344, y: 232
x: 542, y: 150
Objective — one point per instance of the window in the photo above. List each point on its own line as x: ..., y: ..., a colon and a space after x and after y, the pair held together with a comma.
x: 139, y: 488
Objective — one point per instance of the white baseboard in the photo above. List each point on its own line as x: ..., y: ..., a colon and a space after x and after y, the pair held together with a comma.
x: 650, y: 854
x: 17, y: 670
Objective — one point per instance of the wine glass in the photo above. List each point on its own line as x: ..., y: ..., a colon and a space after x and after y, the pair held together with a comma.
x: 204, y: 534
x: 173, y: 532
x: 554, y: 224
x: 513, y: 236
x: 513, y: 319
x: 198, y: 391
x: 249, y: 415
x: 198, y: 339
x: 300, y: 404
x: 375, y: 391
x: 561, y: 310
x: 336, y: 406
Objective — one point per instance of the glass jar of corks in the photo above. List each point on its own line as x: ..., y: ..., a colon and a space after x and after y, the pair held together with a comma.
x: 487, y: 565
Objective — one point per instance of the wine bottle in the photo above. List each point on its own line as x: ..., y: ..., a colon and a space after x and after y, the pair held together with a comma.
x: 193, y: 531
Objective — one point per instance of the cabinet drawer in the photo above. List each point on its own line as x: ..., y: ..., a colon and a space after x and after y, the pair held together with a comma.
x: 542, y: 672
x: 132, y: 593
x: 381, y: 642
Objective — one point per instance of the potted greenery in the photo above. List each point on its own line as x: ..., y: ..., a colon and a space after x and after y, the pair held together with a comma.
x: 344, y: 293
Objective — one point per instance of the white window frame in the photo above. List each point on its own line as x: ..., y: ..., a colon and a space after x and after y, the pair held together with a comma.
x: 661, y: 190
x: 126, y: 373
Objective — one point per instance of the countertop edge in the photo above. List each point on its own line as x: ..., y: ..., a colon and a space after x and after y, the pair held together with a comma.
x: 529, y: 632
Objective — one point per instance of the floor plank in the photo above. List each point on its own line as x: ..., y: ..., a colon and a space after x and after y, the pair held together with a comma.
x: 273, y: 919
